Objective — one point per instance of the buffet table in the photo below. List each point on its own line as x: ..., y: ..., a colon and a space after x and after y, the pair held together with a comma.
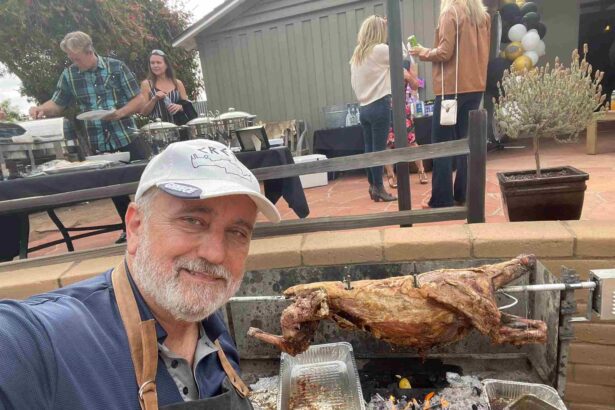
x: 124, y: 178
x: 339, y: 142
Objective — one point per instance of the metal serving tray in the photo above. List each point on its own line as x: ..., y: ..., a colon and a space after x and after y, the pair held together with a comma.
x: 510, y: 391
x: 323, y: 377
x: 530, y: 402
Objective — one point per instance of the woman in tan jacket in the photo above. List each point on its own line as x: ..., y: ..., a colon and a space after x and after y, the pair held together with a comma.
x: 469, y: 81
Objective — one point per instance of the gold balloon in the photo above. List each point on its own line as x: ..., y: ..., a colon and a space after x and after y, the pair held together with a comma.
x: 514, y: 50
x: 520, y: 3
x: 522, y: 63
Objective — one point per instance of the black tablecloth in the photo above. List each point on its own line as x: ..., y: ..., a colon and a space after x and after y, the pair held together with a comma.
x: 289, y: 188
x: 340, y: 142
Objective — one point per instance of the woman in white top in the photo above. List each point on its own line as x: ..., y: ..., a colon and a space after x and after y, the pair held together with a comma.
x: 371, y: 82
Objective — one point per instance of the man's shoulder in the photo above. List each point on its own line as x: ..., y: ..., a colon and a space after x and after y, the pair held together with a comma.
x: 65, y: 303
x: 113, y: 62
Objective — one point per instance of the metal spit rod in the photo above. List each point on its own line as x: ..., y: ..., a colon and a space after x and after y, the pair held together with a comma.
x: 256, y: 298
x: 547, y: 287
x: 507, y: 289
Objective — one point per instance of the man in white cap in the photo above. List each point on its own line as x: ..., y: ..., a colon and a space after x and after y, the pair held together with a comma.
x: 146, y: 334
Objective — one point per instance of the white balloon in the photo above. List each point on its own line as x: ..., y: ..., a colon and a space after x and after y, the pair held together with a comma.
x: 517, y: 32
x: 530, y: 41
x: 533, y: 56
x: 541, y: 48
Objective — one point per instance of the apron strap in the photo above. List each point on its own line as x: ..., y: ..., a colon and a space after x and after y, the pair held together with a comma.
x: 144, y: 344
x: 233, y: 377
x: 141, y: 338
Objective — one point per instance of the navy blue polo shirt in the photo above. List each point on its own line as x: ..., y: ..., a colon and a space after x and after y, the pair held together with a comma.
x: 68, y: 350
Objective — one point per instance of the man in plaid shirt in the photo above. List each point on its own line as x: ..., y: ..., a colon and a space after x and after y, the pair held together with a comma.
x: 97, y: 83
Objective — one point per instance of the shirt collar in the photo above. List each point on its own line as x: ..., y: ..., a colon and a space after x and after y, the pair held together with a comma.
x: 100, y: 65
x: 213, y: 325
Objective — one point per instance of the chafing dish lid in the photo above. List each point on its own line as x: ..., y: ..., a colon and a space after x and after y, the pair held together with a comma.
x: 232, y: 114
x: 158, y: 125
x: 200, y: 120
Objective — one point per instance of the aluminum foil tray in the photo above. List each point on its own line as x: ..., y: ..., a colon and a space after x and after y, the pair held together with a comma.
x: 324, y: 377
x: 504, y: 392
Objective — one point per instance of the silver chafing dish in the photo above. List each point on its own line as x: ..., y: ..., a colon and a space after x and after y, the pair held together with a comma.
x: 202, y: 127
x: 230, y: 121
x: 160, y: 134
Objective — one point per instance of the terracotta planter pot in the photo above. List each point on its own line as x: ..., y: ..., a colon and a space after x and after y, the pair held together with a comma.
x: 555, y: 198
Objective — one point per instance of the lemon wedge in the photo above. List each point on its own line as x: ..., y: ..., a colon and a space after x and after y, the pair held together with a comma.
x: 404, y: 383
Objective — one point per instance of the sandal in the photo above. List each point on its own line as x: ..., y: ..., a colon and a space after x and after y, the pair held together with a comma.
x: 392, y: 181
x: 423, y: 177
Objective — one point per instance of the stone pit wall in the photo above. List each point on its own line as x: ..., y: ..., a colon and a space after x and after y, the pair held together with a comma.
x: 580, y: 245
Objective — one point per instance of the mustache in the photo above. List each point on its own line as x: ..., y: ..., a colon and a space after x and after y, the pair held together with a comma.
x: 200, y: 265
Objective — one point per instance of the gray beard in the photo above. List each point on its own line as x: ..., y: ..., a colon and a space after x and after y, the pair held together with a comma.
x: 187, y: 302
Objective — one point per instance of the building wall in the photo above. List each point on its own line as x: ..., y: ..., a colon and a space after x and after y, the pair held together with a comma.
x: 562, y: 20
x: 286, y: 59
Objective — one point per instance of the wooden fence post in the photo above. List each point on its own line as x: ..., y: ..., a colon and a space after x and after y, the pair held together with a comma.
x: 399, y: 106
x: 477, y: 166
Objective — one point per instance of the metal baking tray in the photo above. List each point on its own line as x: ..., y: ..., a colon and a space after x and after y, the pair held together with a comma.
x: 505, y: 392
x: 529, y: 402
x: 323, y: 377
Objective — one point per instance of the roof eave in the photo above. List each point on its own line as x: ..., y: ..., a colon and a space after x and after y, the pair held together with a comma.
x: 187, y: 39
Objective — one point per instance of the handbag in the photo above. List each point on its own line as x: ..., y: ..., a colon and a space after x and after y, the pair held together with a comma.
x: 186, y: 114
x: 448, y: 108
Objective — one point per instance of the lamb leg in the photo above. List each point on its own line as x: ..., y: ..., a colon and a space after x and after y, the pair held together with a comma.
x: 518, y: 331
x: 293, y: 347
x: 299, y: 322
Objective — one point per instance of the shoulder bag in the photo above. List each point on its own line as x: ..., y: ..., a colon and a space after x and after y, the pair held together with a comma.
x: 448, y: 109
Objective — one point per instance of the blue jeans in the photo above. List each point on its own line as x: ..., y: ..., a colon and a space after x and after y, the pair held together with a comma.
x: 376, y: 120
x: 443, y: 191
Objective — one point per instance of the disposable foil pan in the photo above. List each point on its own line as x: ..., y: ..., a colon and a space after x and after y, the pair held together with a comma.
x: 504, y: 391
x: 530, y: 402
x: 324, y: 377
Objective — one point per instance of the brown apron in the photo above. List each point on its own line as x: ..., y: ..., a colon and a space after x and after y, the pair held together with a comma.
x: 144, y: 352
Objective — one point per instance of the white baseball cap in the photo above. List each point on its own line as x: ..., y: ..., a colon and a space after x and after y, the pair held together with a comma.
x: 202, y: 169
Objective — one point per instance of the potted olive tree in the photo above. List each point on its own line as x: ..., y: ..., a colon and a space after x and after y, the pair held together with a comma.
x: 548, y: 102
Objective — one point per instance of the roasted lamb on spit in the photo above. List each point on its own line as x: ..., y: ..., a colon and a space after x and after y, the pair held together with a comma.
x: 435, y: 308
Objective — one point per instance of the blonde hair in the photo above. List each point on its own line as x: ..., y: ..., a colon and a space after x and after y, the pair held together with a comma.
x: 373, y: 31
x: 475, y: 9
x: 77, y: 42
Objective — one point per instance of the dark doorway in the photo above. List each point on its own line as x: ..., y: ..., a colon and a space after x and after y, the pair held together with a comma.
x: 597, y: 29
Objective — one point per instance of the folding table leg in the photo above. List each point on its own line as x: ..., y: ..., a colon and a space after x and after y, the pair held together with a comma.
x: 62, y: 229
x: 24, y: 234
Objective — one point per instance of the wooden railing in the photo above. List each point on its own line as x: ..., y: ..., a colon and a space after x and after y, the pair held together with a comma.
x: 475, y: 146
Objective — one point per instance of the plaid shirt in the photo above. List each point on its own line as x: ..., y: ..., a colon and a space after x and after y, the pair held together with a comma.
x: 110, y: 85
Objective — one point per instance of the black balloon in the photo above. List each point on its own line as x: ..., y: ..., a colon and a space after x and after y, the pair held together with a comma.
x: 542, y: 30
x: 531, y: 20
x: 505, y: 27
x: 510, y: 12
x: 529, y: 7
x: 495, y: 72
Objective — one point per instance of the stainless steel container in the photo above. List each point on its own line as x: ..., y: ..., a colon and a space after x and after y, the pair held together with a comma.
x: 323, y: 377
x: 160, y: 134
x: 501, y: 393
x: 202, y: 127
x: 230, y: 121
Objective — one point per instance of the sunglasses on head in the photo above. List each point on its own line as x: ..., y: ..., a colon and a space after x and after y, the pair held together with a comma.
x: 158, y: 52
